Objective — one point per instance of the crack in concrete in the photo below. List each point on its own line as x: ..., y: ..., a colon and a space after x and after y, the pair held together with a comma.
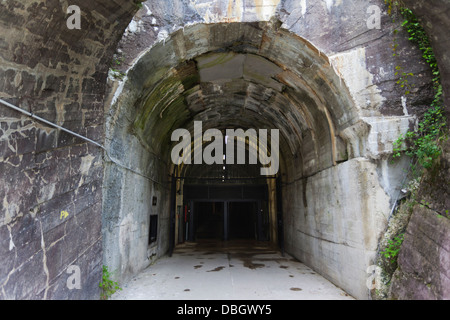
x: 326, y: 240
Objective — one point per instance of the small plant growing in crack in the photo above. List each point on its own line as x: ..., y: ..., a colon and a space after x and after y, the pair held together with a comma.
x: 108, y: 287
x: 117, y: 74
x: 114, y: 69
x: 392, y: 250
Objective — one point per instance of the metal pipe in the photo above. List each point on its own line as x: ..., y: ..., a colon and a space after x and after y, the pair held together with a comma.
x: 54, y: 125
x: 31, y: 115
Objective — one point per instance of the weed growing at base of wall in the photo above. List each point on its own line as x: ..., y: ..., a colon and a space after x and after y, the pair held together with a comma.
x: 108, y: 286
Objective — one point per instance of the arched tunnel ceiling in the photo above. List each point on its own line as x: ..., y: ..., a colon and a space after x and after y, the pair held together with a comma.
x: 242, y: 75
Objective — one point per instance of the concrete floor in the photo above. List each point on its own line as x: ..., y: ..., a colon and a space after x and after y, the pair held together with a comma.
x: 229, y: 271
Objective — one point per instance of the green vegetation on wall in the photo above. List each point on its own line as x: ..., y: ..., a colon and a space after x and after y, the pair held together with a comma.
x: 392, y: 250
x: 107, y: 285
x: 424, y: 143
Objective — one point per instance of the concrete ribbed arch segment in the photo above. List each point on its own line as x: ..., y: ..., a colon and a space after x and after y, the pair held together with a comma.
x: 241, y: 75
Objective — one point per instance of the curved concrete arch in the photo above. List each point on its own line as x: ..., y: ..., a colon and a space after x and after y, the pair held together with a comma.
x: 282, y: 82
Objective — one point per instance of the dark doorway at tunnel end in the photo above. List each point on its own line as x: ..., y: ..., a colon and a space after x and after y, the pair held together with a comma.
x: 222, y: 213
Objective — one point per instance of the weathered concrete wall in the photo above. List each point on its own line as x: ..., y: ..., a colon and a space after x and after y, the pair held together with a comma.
x: 128, y: 195
x: 58, y: 74
x: 333, y: 222
x: 126, y: 221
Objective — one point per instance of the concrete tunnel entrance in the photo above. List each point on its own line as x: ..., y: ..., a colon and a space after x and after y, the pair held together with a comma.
x: 325, y: 205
